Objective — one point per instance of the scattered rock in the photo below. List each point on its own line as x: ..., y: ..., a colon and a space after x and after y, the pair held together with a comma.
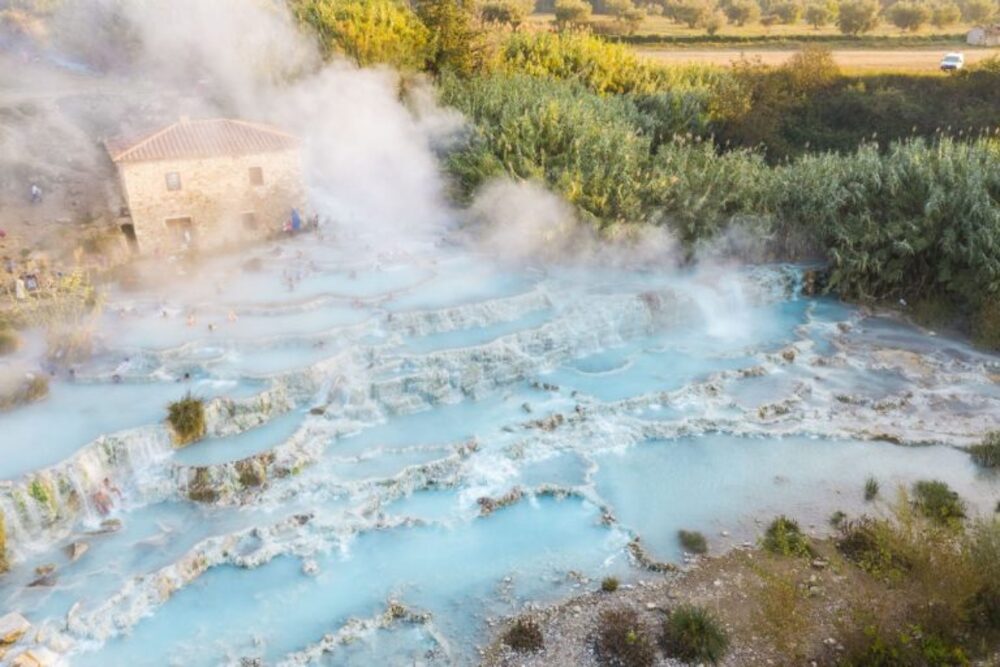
x: 310, y: 568
x: 12, y: 627
x: 76, y: 550
x: 110, y: 526
x: 36, y: 657
x: 550, y: 423
x: 44, y: 581
x: 43, y: 570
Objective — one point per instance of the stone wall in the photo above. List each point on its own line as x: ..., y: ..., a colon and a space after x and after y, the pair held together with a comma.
x: 216, y: 194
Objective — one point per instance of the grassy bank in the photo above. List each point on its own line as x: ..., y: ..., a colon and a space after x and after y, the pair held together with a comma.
x: 909, y: 590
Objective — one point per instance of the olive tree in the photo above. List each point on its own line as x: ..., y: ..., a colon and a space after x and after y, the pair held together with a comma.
x: 819, y: 14
x: 742, y: 12
x: 572, y: 12
x: 909, y: 16
x: 857, y: 16
x: 945, y: 14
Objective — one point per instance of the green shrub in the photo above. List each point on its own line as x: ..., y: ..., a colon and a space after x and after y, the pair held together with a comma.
x: 622, y: 641
x: 871, y: 489
x: 524, y: 636
x: 369, y: 32
x: 187, y: 419
x: 609, y: 584
x: 984, y: 553
x: 938, y: 502
x: 837, y: 519
x: 986, y: 324
x: 692, y: 541
x: 783, y: 537
x: 987, y: 453
x: 456, y: 39
x: 694, y: 635
x: 871, y: 544
x: 581, y: 145
x: 876, y: 646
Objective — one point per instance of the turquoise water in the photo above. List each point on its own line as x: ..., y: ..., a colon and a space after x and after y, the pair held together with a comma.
x: 446, y: 383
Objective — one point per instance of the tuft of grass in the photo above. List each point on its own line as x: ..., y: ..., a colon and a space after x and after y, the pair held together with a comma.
x: 694, y: 635
x: 9, y: 342
x: 33, y: 388
x: 609, y: 584
x: 778, y: 611
x: 871, y: 488
x: 524, y: 636
x: 837, y: 518
x: 784, y: 537
x: 693, y: 541
x: 984, y: 552
x: 187, y: 419
x: 4, y: 564
x: 936, y: 501
x: 622, y: 641
x: 987, y: 453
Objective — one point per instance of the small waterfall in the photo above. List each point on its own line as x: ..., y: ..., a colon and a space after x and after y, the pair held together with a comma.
x: 48, y: 503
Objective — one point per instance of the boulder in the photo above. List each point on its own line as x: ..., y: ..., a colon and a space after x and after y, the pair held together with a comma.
x: 76, y: 549
x: 36, y: 657
x: 12, y: 627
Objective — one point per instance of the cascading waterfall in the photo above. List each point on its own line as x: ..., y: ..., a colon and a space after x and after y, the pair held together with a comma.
x: 436, y: 443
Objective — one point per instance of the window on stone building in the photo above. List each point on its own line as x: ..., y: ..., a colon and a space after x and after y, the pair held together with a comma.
x: 256, y: 176
x: 249, y: 220
x: 173, y: 181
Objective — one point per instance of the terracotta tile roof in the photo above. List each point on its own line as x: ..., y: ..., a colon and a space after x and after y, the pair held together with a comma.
x: 200, y: 139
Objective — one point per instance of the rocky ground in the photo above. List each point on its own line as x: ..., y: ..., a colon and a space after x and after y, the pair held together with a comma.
x: 776, y: 610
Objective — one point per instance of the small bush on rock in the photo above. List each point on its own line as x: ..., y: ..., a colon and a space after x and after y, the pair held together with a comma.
x: 938, y: 502
x: 693, y: 541
x: 524, y: 636
x: 187, y: 419
x: 622, y: 641
x: 871, y: 489
x: 783, y: 537
x: 694, y: 635
x: 987, y: 453
x: 609, y: 584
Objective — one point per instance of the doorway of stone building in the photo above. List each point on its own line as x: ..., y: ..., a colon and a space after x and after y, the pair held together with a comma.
x: 128, y: 229
x: 181, y: 230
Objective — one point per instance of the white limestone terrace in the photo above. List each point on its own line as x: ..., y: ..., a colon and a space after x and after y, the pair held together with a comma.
x: 403, y: 447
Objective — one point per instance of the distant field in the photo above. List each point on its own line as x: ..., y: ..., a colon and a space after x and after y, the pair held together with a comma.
x: 909, y: 60
x: 658, y: 26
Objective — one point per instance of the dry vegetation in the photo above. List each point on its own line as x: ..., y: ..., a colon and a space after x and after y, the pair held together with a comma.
x: 904, y: 590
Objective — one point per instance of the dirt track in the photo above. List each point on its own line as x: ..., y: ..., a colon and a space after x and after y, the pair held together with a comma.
x: 874, y: 59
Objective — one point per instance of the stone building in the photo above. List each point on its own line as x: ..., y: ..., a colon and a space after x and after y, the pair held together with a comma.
x: 207, y: 183
x: 988, y: 35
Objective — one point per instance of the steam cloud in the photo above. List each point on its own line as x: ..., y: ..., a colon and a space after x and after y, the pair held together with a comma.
x: 368, y: 158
